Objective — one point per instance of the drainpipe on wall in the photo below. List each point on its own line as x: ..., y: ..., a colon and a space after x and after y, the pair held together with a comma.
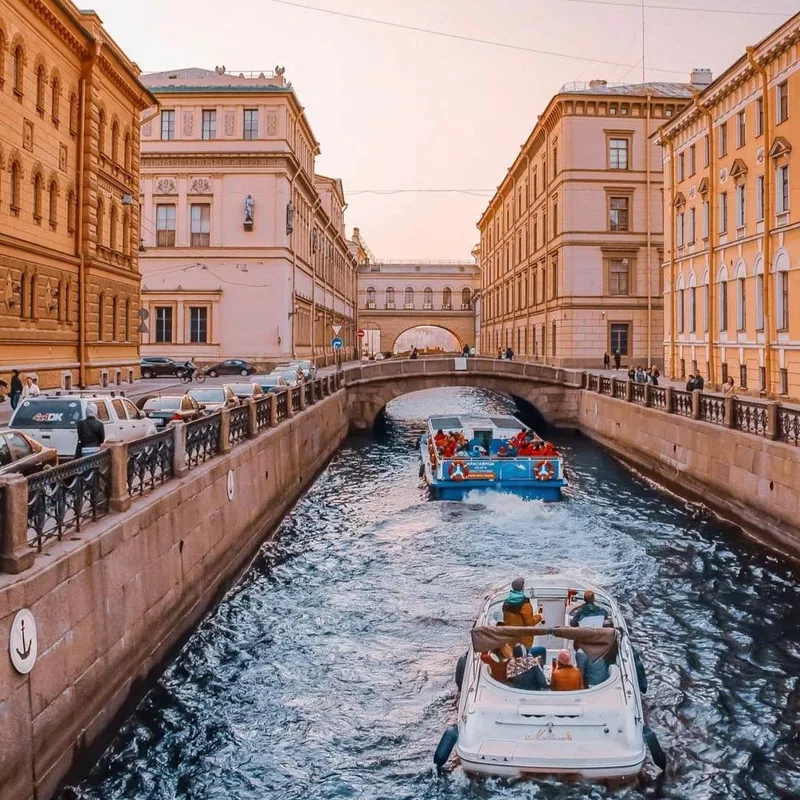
x: 767, y: 285
x: 649, y: 239
x: 527, y: 258
x: 673, y: 311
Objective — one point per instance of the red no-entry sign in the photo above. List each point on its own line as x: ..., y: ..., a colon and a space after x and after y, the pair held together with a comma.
x: 361, y: 334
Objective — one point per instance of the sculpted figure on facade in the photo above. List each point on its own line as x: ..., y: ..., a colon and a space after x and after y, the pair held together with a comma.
x: 249, y: 209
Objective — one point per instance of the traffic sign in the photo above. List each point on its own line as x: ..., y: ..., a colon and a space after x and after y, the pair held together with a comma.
x: 337, y: 329
x: 337, y: 343
x: 361, y: 334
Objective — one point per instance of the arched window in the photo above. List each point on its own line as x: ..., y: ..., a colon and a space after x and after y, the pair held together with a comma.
x: 23, y: 294
x: 741, y: 297
x: 466, y: 299
x: 390, y: 297
x: 34, y: 287
x: 100, y: 221
x: 126, y: 152
x: 114, y: 318
x: 371, y: 297
x: 781, y: 269
x: 706, y: 302
x: 37, y: 196
x: 126, y: 232
x: 52, y: 195
x: 55, y: 100
x: 101, y: 131
x: 722, y: 279
x: 447, y: 298
x: 41, y: 79
x: 692, y: 303
x: 128, y: 320
x: 112, y: 227
x: 2, y: 58
x: 101, y: 317
x: 18, y: 67
x: 71, y: 211
x: 15, y: 198
x: 681, y: 305
x: 427, y: 297
x: 115, y: 142
x: 409, y: 300
x: 73, y: 114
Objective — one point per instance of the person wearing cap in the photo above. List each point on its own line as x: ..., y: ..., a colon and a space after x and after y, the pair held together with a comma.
x: 588, y: 609
x: 518, y: 611
x: 565, y: 677
x: 91, y: 433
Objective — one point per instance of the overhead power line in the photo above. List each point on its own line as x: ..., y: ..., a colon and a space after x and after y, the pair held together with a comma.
x: 691, y: 9
x: 473, y: 39
x: 472, y: 192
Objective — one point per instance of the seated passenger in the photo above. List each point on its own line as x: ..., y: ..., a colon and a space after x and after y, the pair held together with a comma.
x: 525, y: 672
x: 439, y: 437
x: 518, y: 611
x: 497, y: 661
x: 594, y: 670
x: 478, y: 451
x: 588, y: 609
x: 565, y: 677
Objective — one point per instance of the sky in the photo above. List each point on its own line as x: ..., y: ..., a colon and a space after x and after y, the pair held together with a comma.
x: 398, y: 110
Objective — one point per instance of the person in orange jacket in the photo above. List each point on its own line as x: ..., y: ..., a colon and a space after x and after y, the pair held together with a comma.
x: 518, y: 611
x: 566, y: 677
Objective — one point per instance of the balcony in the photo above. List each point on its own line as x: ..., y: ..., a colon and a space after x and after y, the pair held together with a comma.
x: 390, y: 305
x: 371, y: 304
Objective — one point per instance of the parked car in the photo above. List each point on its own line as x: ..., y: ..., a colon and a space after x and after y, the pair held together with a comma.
x: 244, y: 391
x: 273, y: 382
x: 231, y: 366
x: 307, y: 370
x: 172, y: 408
x: 23, y: 455
x: 213, y: 398
x: 159, y: 367
x: 53, y: 420
x: 290, y: 374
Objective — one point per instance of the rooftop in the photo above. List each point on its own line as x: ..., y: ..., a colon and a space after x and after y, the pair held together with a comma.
x: 655, y: 89
x: 194, y: 79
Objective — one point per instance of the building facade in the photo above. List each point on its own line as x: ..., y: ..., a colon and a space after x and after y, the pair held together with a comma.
x: 395, y: 297
x: 732, y: 244
x: 69, y: 176
x: 570, y: 246
x: 245, y: 249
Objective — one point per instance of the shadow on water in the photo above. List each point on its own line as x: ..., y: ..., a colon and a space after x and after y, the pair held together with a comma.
x: 327, y: 671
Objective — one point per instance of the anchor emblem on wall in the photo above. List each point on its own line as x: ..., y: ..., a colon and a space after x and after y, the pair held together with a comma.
x: 22, y: 642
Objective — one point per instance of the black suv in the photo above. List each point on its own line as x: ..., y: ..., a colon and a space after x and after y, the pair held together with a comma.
x: 158, y: 367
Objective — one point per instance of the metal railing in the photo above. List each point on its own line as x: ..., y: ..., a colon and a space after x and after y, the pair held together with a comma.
x: 657, y: 396
x: 750, y: 417
x: 202, y: 439
x: 283, y: 404
x: 605, y: 385
x: 789, y: 425
x: 263, y: 412
x: 239, y: 427
x: 712, y: 409
x: 308, y: 389
x: 63, y: 498
x: 150, y: 462
x: 296, y: 398
x: 681, y: 403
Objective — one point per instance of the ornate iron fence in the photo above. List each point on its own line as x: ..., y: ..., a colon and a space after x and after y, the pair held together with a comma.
x: 296, y: 398
x: 712, y: 409
x: 681, y: 403
x: 750, y: 417
x: 150, y: 462
x: 789, y: 425
x: 283, y: 404
x: 61, y: 499
x: 658, y: 397
x: 637, y: 393
x: 605, y: 385
x: 591, y: 384
x: 620, y: 389
x: 202, y: 439
x: 262, y: 413
x: 239, y: 427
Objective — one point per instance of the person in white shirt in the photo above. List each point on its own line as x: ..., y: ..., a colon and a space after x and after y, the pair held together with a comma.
x: 31, y: 388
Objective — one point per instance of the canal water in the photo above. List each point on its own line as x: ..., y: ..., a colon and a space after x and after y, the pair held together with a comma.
x: 327, y: 672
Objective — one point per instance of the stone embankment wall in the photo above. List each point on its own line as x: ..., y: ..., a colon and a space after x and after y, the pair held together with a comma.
x: 111, y: 602
x: 747, y: 479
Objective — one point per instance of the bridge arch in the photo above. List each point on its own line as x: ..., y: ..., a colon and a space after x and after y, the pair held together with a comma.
x: 413, y: 325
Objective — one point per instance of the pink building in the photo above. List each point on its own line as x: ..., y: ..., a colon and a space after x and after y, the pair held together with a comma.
x: 244, y: 245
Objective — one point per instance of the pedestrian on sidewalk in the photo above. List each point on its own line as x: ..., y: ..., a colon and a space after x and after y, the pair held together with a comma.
x: 699, y: 382
x: 606, y: 360
x: 728, y: 388
x: 465, y: 351
x: 617, y: 359
x: 509, y: 354
x: 691, y: 383
x: 653, y: 375
x: 500, y: 353
x: 15, y: 391
x: 414, y: 353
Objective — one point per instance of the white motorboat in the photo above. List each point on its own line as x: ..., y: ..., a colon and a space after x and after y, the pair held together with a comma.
x: 594, y: 733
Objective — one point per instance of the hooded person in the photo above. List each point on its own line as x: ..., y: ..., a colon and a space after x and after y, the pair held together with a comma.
x: 91, y: 433
x: 518, y: 611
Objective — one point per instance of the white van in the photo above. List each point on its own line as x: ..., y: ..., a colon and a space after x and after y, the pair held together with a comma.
x: 53, y: 420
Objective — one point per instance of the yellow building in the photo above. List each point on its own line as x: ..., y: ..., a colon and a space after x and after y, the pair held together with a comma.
x: 69, y: 188
x: 570, y: 243
x: 731, y: 244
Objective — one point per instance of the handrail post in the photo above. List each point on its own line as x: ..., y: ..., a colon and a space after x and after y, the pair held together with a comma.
x: 119, y: 499
x: 313, y: 384
x: 696, y: 404
x: 647, y: 399
x: 289, y: 404
x: 668, y: 399
x: 773, y: 426
x: 302, y: 396
x: 273, y: 410
x: 628, y: 390
x: 730, y: 419
x: 179, y: 467
x: 15, y: 554
x: 224, y: 431
x: 252, y: 411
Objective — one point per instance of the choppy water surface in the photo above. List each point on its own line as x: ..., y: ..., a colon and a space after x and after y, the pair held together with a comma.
x: 327, y: 672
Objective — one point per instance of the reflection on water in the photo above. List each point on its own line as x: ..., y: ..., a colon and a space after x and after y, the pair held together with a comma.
x: 327, y: 672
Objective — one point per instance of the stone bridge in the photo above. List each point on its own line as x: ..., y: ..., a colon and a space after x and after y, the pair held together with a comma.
x: 553, y: 392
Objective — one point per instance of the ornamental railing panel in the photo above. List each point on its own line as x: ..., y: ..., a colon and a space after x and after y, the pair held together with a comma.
x: 239, y: 427
x: 637, y: 393
x: 202, y: 439
x: 262, y: 413
x: 605, y: 385
x: 283, y: 404
x: 150, y: 462
x: 789, y: 425
x: 620, y: 390
x: 309, y: 393
x: 658, y: 397
x: 296, y: 398
x: 712, y: 409
x: 750, y: 417
x: 681, y: 403
x: 592, y: 383
x: 62, y: 499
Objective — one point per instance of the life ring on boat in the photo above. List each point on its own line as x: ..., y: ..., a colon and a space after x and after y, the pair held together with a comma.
x: 458, y: 471
x: 445, y: 746
x: 543, y: 471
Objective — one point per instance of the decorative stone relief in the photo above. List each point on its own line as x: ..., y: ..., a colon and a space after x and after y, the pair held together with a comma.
x: 62, y: 158
x: 723, y: 175
x: 188, y: 123
x: 147, y: 129
x: 230, y: 123
x: 165, y: 186
x: 272, y: 123
x: 27, y: 135
x: 200, y: 186
x: 760, y: 155
x: 692, y: 191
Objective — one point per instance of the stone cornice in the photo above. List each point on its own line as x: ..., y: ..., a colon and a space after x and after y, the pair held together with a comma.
x: 45, y: 12
x: 179, y: 160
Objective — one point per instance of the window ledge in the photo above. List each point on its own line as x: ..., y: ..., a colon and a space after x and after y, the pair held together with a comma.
x: 782, y: 218
x: 740, y: 232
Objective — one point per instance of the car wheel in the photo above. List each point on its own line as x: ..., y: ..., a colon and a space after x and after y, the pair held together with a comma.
x: 212, y: 373
x: 244, y: 373
x: 147, y: 373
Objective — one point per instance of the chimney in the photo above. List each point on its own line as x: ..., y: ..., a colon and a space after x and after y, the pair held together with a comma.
x: 597, y: 83
x: 701, y: 77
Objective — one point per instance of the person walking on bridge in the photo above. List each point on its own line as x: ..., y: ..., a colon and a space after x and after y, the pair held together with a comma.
x: 606, y: 360
x: 617, y: 359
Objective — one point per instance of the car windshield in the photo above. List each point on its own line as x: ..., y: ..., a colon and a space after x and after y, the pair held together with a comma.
x: 269, y: 380
x: 48, y: 414
x: 167, y: 403
x: 208, y: 395
x: 289, y: 375
x: 242, y: 388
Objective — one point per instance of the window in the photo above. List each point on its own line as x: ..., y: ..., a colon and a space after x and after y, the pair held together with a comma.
x: 723, y: 139
x: 706, y: 150
x: 782, y: 280
x: 112, y: 227
x: 163, y: 324
x: 681, y: 307
x: 555, y: 218
x: 759, y: 197
x: 620, y: 337
x: 692, y: 309
x: 692, y: 160
x: 167, y: 125
x: 71, y: 212
x: 679, y: 230
x: 409, y: 298
x: 37, y: 197
x: 209, y: 124
x: 101, y: 131
x: 200, y: 225
x: 447, y: 298
x: 126, y: 152
x: 55, y: 100
x: 114, y: 319
x: 759, y: 302
x: 553, y: 340
x: 198, y: 324
x: 741, y: 130
x: 706, y: 306
x: 554, y: 277
x: 759, y: 116
x: 390, y: 297
x: 115, y: 142
x: 126, y: 232
x: 741, y: 211
x: 165, y: 225
x: 723, y: 212
x: 73, y: 114
x: 370, y: 297
x: 723, y: 306
x: 681, y: 166
x: 618, y: 153
x: 706, y: 220
x: 466, y: 299
x: 782, y: 189
x: 52, y: 195
x: 427, y: 298
x: 41, y: 80
x: 618, y: 214
x: 535, y: 234
x: 250, y: 123
x: 782, y: 105
x: 619, y: 276
x: 743, y: 375
x: 741, y: 304
x: 19, y: 64
x: 690, y: 234
x: 555, y: 160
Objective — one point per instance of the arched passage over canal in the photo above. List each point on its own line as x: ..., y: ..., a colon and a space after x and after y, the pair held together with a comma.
x: 327, y: 672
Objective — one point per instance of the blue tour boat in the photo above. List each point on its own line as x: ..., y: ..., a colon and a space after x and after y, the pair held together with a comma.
x: 465, y: 453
